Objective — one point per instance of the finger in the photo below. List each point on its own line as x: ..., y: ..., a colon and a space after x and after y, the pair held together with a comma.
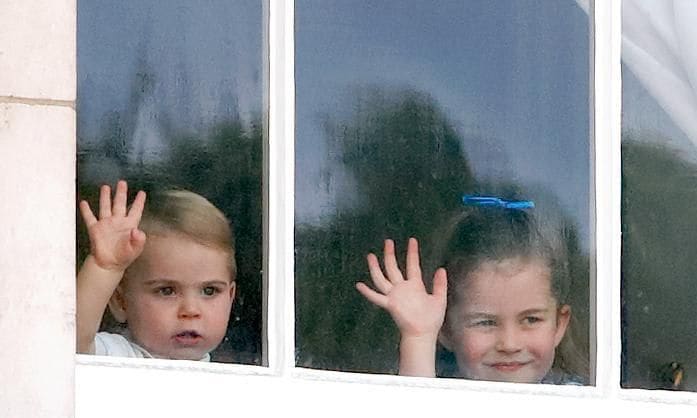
x: 413, y: 268
x: 440, y: 285
x: 372, y: 296
x: 87, y: 214
x: 391, y: 267
x: 137, y: 239
x: 136, y: 211
x: 120, y: 198
x: 104, y: 202
x: 379, y: 279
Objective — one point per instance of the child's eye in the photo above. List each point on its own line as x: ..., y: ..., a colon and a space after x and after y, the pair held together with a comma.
x: 484, y: 323
x: 210, y: 290
x: 530, y: 320
x: 165, y: 291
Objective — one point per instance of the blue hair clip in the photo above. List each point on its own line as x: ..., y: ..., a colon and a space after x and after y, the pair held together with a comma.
x: 473, y: 200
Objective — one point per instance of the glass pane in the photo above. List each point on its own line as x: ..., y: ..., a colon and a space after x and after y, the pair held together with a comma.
x: 170, y: 96
x: 402, y: 109
x: 659, y: 174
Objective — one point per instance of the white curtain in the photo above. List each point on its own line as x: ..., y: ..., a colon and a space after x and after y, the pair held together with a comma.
x: 659, y: 45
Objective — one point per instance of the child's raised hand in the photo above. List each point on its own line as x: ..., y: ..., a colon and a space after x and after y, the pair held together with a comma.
x: 115, y: 240
x: 416, y: 312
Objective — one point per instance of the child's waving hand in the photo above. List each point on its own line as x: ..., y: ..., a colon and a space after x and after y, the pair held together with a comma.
x: 418, y: 314
x: 415, y: 312
x: 115, y: 240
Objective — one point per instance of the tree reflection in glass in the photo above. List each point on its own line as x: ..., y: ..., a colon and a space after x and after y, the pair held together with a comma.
x: 170, y: 96
x: 403, y: 108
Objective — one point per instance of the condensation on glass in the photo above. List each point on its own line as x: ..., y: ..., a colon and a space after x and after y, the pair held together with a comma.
x: 170, y: 95
x: 659, y: 194
x: 401, y: 109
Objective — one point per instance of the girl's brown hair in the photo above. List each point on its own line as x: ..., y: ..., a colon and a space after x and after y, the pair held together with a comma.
x: 475, y: 235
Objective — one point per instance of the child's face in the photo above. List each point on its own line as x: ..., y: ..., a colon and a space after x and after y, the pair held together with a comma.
x: 177, y: 299
x: 507, y: 326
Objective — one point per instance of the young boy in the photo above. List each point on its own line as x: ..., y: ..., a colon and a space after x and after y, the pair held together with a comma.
x: 169, y: 276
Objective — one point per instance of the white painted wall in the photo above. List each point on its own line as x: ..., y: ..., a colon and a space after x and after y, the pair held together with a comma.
x: 37, y: 210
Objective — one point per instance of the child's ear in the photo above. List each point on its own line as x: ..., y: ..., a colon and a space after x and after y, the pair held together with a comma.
x: 563, y: 317
x: 233, y: 289
x: 445, y: 339
x: 117, y: 304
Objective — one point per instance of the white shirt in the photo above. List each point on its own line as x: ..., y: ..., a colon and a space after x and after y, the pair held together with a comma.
x: 116, y: 345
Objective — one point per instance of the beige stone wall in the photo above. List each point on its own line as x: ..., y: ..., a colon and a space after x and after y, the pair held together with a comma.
x: 37, y: 209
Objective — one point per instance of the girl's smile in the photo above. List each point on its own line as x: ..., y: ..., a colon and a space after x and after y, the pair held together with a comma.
x: 509, y: 366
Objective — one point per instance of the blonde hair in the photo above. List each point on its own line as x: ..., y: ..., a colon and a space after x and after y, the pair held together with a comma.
x: 194, y: 217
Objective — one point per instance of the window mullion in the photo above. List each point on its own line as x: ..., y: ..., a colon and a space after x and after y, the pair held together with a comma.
x: 280, y: 160
x: 606, y: 123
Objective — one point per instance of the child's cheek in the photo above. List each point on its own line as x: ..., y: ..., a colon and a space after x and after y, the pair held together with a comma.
x: 153, y: 307
x: 222, y: 309
x: 544, y: 344
x: 475, y: 344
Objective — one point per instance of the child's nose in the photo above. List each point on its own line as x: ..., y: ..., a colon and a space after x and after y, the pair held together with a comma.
x: 509, y: 340
x: 189, y: 308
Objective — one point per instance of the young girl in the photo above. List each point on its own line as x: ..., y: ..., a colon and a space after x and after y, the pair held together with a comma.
x: 170, y: 276
x: 500, y: 308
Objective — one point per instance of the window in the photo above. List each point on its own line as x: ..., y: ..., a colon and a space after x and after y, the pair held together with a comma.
x: 659, y: 150
x: 403, y: 108
x: 37, y: 100
x: 172, y: 97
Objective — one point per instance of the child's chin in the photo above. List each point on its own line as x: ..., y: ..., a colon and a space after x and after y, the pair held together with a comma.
x: 185, y: 354
x: 515, y: 379
x: 509, y: 377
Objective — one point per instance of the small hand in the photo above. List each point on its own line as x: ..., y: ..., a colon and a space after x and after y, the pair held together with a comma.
x: 416, y: 313
x: 115, y: 240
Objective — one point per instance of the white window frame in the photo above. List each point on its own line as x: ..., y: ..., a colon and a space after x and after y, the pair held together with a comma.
x: 94, y: 386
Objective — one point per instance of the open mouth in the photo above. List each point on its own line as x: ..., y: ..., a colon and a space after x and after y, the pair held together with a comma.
x: 188, y: 337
